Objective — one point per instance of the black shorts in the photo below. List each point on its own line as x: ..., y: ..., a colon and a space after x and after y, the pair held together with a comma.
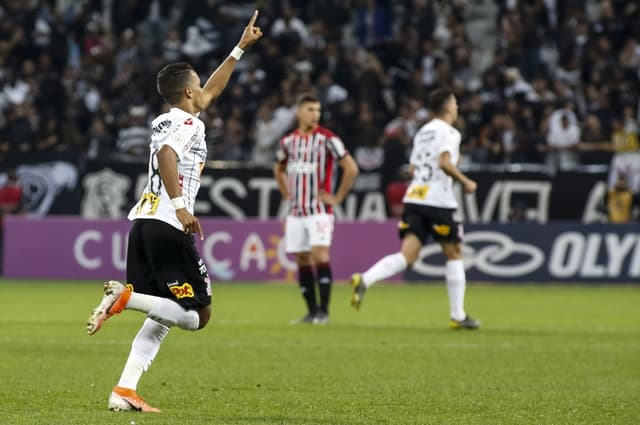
x: 423, y: 220
x: 163, y: 261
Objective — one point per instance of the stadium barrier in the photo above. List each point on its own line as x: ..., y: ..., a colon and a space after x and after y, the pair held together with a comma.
x: 253, y: 250
x: 107, y: 189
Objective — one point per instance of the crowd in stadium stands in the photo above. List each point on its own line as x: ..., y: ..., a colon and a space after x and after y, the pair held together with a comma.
x: 543, y: 81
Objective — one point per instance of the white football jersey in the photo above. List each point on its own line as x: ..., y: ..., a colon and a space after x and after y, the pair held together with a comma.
x: 183, y: 133
x: 430, y: 185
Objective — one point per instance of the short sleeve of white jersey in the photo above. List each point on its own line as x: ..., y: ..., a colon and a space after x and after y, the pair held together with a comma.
x: 450, y: 141
x: 336, y: 147
x: 180, y: 139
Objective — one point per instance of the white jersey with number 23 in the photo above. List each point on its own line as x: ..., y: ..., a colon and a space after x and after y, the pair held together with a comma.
x: 430, y: 185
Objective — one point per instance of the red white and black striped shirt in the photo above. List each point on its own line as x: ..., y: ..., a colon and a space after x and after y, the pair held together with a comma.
x: 309, y: 163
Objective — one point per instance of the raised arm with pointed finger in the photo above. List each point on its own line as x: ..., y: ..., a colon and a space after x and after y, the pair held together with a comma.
x: 220, y: 77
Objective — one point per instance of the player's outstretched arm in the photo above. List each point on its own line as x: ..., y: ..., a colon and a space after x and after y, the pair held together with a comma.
x: 444, y: 162
x: 220, y: 77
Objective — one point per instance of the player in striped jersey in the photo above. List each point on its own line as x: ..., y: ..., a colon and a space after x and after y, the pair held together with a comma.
x: 305, y: 161
x: 166, y: 278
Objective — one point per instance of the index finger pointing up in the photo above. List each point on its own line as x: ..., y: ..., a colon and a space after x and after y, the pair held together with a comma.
x: 253, y: 18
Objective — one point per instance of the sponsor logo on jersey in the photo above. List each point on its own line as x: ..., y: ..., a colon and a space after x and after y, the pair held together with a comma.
x: 162, y: 127
x: 188, y: 121
x: 298, y: 167
x: 417, y: 192
x: 181, y: 291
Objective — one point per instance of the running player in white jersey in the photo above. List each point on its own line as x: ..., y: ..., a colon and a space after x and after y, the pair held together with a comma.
x: 166, y: 279
x: 429, y: 207
x: 306, y: 158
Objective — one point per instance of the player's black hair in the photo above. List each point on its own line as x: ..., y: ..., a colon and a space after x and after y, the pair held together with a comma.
x: 307, y: 97
x: 438, y: 98
x: 172, y: 80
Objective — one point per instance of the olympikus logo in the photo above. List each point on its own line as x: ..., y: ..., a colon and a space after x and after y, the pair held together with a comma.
x: 183, y: 291
x: 188, y: 121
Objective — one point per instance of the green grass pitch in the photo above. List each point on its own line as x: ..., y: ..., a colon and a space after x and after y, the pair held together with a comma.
x: 545, y: 355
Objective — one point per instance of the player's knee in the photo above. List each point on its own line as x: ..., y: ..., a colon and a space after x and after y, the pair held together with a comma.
x: 410, y: 257
x: 205, y: 315
x: 410, y: 260
x: 321, y: 257
x: 452, y: 251
x: 303, y: 259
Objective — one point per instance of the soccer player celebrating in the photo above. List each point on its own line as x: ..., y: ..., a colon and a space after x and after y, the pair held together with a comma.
x: 304, y: 166
x: 166, y: 278
x: 429, y: 207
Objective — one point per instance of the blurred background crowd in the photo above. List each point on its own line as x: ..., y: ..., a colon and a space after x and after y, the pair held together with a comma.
x: 553, y: 82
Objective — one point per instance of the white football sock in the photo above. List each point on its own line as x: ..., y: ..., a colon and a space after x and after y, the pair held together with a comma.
x: 456, y: 284
x: 384, y: 268
x: 142, y: 302
x: 170, y: 313
x: 144, y: 348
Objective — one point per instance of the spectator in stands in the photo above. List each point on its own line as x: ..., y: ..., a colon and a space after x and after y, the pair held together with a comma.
x: 215, y: 133
x: 563, y: 137
x: 234, y: 140
x: 626, y: 159
x: 195, y: 47
x: 21, y: 131
x: 289, y: 30
x: 11, y: 194
x: 495, y: 142
x: 16, y: 89
x: 272, y: 124
x: 372, y: 21
x: 93, y: 59
x: 133, y: 137
x: 100, y: 141
x: 620, y: 201
x: 10, y: 201
x: 172, y: 46
x: 593, y: 145
x: 48, y: 135
x: 395, y: 192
